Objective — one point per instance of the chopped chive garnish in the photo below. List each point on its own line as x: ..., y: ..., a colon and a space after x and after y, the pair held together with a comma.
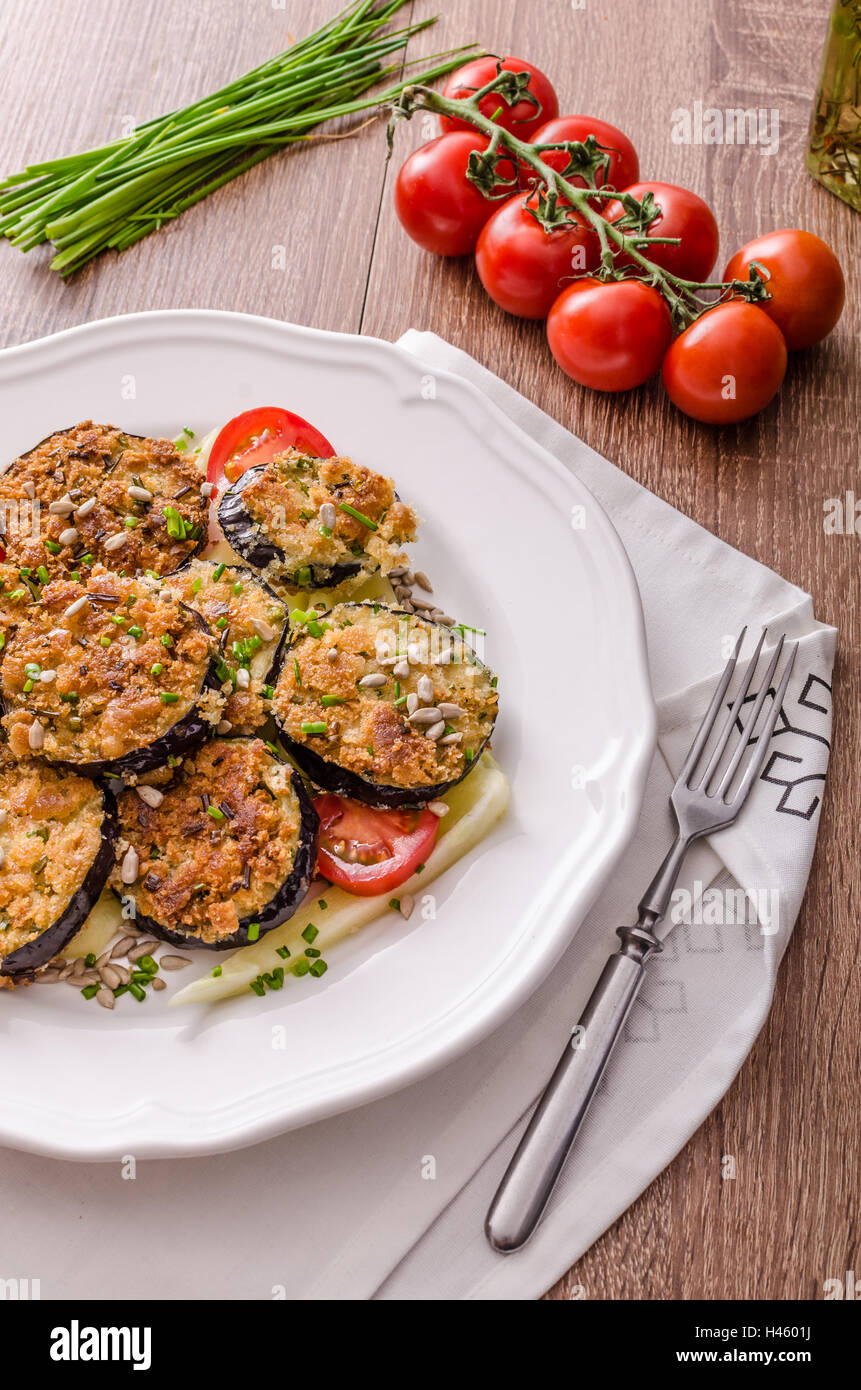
x: 104, y: 641
x: 395, y: 904
x: 301, y: 967
x: 197, y: 585
x: 137, y: 991
x: 314, y: 628
x: 325, y: 531
x: 169, y: 698
x: 258, y: 986
x: 311, y: 952
x: 130, y: 521
x: 298, y: 616
x: 89, y: 991
x: 43, y: 574
x: 89, y: 960
x: 296, y: 671
x: 216, y: 972
x: 76, y: 575
x: 222, y: 623
x: 332, y: 700
x: 310, y: 933
x: 53, y: 547
x: 237, y: 588
x: 322, y: 904
x: 420, y: 868
x: 359, y: 516
x: 268, y: 692
x: 253, y: 933
x: 87, y: 559
x: 167, y: 640
x: 318, y: 726
x: 117, y: 619
x: 219, y: 570
x: 69, y: 696
x: 176, y: 527
x: 282, y: 951
x: 319, y: 968
x: 28, y: 686
x: 495, y: 682
x: 303, y: 575
x: 214, y: 811
x: 469, y: 754
x: 157, y: 669
x: 135, y: 631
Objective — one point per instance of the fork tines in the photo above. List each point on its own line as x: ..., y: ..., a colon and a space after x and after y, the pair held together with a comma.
x: 707, y: 782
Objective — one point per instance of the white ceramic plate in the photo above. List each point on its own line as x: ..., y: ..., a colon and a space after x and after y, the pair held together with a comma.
x: 575, y: 736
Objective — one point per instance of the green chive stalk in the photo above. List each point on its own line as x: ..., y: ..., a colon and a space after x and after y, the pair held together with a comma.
x: 110, y: 197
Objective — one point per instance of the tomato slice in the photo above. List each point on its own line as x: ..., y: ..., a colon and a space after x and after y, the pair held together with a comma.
x: 258, y: 435
x: 370, y: 852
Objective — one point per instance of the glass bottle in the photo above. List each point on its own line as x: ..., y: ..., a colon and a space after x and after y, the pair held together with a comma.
x: 834, y: 148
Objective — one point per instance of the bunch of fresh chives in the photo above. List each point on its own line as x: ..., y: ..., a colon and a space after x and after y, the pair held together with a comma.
x: 112, y: 196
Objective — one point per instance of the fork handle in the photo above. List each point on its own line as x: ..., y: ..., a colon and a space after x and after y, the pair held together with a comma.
x: 539, y: 1158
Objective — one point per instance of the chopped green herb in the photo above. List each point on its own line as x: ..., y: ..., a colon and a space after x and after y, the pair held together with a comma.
x: 219, y: 570
x: 157, y: 669
x: 322, y: 904
x: 319, y: 968
x: 328, y: 700
x: 282, y: 951
x: 197, y: 585
x: 135, y: 631
x: 216, y: 972
x: 90, y: 991
x: 167, y: 640
x: 301, y: 967
x: 169, y: 698
x: 318, y: 726
x: 296, y: 671
x: 253, y: 927
x: 310, y: 933
x: 214, y: 812
x: 104, y: 641
x: 268, y: 692
x: 43, y: 574
x: 359, y: 516
x: 53, y: 547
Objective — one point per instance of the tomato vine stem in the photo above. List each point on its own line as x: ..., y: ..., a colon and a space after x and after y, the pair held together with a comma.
x: 586, y: 158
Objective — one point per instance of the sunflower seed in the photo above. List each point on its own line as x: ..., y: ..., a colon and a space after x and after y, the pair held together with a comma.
x: 438, y: 808
x: 224, y: 727
x: 406, y: 903
x: 140, y: 494
x: 123, y: 972
x: 412, y: 702
x: 29, y: 489
x: 436, y: 731
x: 48, y: 977
x: 76, y: 607
x: 69, y: 536
x: 130, y: 866
x: 425, y: 690
x: 243, y: 678
x: 408, y: 577
x: 110, y: 976
x: 401, y: 670
x: 63, y: 507
x: 423, y: 582
x: 328, y: 515
x: 425, y: 716
x: 174, y: 962
x: 36, y: 736
x: 263, y: 629
x: 332, y: 654
x: 423, y: 605
x: 159, y: 984
x: 143, y: 948
x: 151, y: 796
x: 47, y: 676
x: 451, y: 738
x: 451, y: 711
x: 407, y: 606
x: 445, y: 618
x: 414, y: 654
x: 116, y: 540
x: 85, y: 507
x: 397, y: 572
x: 372, y: 682
x: 105, y: 997
x: 103, y: 959
x: 86, y: 977
x: 122, y: 946
x: 206, y: 489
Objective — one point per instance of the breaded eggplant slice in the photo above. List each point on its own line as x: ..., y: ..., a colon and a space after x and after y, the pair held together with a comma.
x: 97, y: 483
x: 228, y: 853
x: 249, y: 621
x: 400, y: 714
x: 57, y: 837
x: 309, y: 523
x: 111, y: 676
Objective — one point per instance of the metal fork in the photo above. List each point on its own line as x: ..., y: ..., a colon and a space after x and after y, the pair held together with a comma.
x: 702, y: 803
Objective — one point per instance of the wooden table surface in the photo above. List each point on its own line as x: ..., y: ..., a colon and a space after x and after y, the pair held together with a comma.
x: 74, y: 73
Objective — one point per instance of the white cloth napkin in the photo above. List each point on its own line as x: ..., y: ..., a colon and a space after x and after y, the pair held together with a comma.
x: 389, y: 1201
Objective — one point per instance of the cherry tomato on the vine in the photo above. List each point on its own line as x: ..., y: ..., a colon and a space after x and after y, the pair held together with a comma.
x: 523, y: 267
x: 727, y: 365
x: 522, y: 119
x: 624, y: 167
x: 435, y: 201
x: 683, y: 214
x: 805, y: 283
x: 611, y: 336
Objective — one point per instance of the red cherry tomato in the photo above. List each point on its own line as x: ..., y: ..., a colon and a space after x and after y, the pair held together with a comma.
x: 370, y: 852
x: 624, y: 164
x: 524, y: 118
x: 806, y: 283
x: 727, y: 366
x: 258, y: 435
x: 611, y: 336
x: 685, y: 215
x: 522, y: 267
x: 435, y: 201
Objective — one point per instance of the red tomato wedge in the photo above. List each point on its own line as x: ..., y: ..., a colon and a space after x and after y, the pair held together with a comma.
x: 370, y: 852
x: 258, y: 435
